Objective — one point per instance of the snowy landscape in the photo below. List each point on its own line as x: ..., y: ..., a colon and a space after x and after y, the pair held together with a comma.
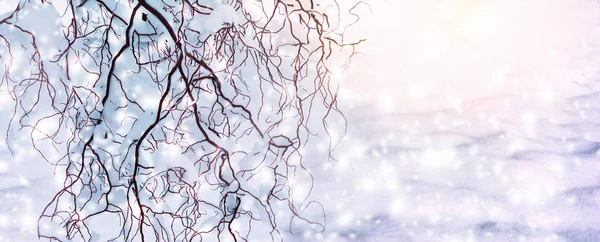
x: 466, y: 121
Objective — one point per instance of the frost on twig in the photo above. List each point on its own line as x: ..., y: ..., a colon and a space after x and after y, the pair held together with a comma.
x: 175, y: 120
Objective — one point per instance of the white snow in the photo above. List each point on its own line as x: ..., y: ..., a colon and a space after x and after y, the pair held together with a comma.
x: 467, y: 121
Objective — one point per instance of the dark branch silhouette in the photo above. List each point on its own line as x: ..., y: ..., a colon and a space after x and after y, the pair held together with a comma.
x: 179, y: 120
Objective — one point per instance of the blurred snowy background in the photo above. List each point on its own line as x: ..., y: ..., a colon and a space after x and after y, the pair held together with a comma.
x: 469, y: 120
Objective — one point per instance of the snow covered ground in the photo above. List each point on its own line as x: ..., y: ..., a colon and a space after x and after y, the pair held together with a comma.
x: 488, y: 133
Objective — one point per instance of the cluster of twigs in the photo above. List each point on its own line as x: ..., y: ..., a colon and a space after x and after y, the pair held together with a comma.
x: 237, y: 87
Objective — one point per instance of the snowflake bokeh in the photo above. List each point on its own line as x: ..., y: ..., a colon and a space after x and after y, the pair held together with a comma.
x: 462, y: 120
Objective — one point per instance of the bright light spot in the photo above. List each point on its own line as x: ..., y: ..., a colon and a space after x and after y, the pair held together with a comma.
x: 439, y: 158
x: 28, y: 222
x: 4, y: 221
x: 345, y: 219
x: 386, y: 101
x: 482, y: 23
x: 149, y: 102
x: 432, y: 45
x: 24, y: 181
x: 546, y: 95
x: 3, y: 167
x: 417, y: 92
x: 368, y: 184
x: 59, y: 179
x: 397, y: 206
x: 529, y: 120
x: 516, y: 146
x: 456, y: 103
x: 266, y: 175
